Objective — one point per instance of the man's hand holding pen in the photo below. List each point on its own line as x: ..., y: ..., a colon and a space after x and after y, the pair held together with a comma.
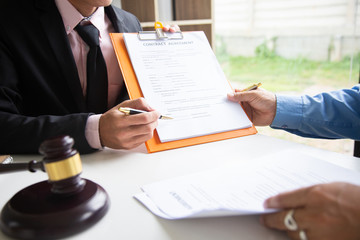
x: 259, y: 104
x: 120, y: 131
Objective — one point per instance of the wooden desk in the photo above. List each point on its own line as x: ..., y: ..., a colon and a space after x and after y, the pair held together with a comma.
x: 122, y: 173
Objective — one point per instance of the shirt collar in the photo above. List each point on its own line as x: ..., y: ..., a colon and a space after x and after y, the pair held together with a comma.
x: 71, y: 17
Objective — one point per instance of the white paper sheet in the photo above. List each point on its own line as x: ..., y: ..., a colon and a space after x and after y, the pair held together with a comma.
x: 239, y: 189
x: 183, y: 79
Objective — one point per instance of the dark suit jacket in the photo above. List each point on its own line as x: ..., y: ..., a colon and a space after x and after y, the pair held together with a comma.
x: 40, y: 92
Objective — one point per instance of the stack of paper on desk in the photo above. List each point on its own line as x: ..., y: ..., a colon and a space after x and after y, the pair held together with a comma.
x: 239, y: 189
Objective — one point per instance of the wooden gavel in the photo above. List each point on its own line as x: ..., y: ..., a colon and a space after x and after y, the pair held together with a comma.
x: 64, y: 205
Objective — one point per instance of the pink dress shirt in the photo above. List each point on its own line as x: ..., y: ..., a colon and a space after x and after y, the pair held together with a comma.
x: 71, y: 18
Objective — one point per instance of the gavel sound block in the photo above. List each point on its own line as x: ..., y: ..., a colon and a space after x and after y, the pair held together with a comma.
x: 62, y: 206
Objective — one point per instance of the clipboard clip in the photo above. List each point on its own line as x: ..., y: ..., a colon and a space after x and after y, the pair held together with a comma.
x: 159, y: 34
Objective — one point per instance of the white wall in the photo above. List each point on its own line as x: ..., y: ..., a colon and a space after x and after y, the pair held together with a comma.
x: 304, y: 28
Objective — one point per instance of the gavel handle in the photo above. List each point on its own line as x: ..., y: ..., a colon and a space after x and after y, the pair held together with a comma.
x: 31, y: 166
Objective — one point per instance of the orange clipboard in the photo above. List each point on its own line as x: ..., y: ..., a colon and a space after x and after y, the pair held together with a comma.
x: 134, y: 90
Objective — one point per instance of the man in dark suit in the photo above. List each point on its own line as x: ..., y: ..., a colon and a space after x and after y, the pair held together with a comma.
x: 42, y: 80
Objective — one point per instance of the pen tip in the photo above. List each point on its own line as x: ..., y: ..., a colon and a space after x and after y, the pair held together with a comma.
x: 166, y: 118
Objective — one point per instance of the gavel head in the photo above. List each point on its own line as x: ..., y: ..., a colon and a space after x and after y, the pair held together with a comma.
x: 63, y: 165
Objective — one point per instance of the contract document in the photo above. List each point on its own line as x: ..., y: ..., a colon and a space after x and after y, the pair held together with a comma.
x: 183, y: 79
x: 239, y: 189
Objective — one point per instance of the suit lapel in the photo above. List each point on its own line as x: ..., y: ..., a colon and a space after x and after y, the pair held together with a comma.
x: 54, y: 30
x: 115, y: 19
x: 117, y: 22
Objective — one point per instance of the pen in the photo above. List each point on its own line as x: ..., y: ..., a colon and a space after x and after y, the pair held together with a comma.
x: 252, y: 87
x: 5, y: 159
x: 132, y: 111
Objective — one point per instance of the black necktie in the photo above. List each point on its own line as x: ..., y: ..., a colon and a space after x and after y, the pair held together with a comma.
x: 96, y: 74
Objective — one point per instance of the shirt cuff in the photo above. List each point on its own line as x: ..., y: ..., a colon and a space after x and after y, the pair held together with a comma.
x: 92, y: 131
x: 288, y: 112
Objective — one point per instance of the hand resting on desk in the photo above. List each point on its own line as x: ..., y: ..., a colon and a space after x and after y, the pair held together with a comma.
x: 326, y: 211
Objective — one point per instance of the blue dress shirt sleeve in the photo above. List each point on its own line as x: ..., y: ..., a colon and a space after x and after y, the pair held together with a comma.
x: 330, y: 115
